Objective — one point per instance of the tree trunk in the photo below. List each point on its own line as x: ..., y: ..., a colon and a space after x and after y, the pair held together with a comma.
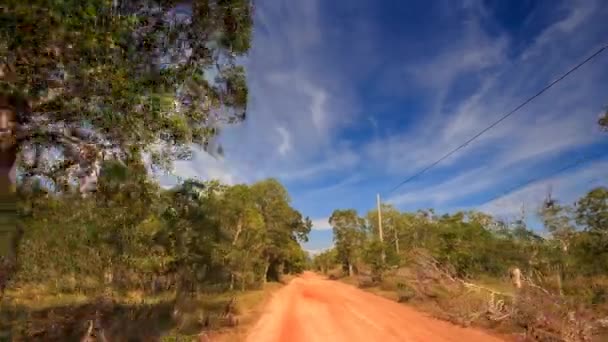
x: 266, y: 267
x: 350, y: 269
x: 515, y: 275
x: 396, y: 242
x: 280, y: 270
x: 239, y: 229
x: 558, y: 277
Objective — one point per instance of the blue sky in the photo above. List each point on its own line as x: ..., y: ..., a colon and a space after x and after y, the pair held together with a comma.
x: 348, y: 98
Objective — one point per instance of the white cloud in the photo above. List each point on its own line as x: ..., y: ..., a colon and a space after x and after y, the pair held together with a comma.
x: 566, y: 188
x: 321, y: 224
x: 337, y: 161
x: 333, y: 188
x: 578, y: 13
x: 285, y: 145
x: 562, y: 119
x: 305, y: 102
x: 314, y: 252
x: 462, y: 185
x: 204, y: 166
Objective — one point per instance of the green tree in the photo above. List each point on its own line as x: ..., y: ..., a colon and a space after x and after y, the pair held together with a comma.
x: 392, y: 227
x: 558, y: 221
x: 121, y: 77
x: 283, y: 225
x: 592, y: 211
x: 348, y: 229
x: 243, y: 225
x: 325, y: 260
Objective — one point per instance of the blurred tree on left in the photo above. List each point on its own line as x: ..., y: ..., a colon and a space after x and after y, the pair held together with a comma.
x: 114, y: 79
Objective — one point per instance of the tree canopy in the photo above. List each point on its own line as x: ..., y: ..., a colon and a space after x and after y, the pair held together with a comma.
x: 122, y: 78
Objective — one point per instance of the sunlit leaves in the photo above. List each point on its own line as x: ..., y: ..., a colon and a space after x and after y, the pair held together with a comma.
x: 134, y: 70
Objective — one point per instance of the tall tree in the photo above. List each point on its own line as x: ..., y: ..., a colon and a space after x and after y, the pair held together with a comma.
x: 558, y: 221
x: 243, y: 226
x: 283, y: 224
x: 392, y: 225
x: 348, y: 229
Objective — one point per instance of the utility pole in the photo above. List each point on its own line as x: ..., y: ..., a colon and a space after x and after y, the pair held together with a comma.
x: 380, y: 233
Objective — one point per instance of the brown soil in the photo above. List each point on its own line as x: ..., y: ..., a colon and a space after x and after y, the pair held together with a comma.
x: 312, y: 308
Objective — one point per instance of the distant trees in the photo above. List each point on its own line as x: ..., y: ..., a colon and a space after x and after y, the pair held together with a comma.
x: 473, y: 244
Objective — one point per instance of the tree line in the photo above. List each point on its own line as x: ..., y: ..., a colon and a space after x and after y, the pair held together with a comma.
x: 133, y: 234
x: 572, y: 245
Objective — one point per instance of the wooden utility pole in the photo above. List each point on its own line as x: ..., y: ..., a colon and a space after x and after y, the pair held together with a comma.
x: 380, y: 233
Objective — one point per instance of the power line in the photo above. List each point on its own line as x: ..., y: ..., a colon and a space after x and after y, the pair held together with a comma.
x: 552, y: 174
x: 499, y: 120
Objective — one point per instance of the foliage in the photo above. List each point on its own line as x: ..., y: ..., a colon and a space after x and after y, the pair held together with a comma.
x: 592, y: 211
x: 437, y: 261
x: 349, y: 236
x: 147, y: 238
x: 121, y: 78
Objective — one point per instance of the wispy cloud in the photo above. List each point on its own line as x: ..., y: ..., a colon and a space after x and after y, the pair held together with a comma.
x: 340, y: 112
x: 566, y: 188
x: 285, y: 145
x: 560, y: 121
x: 321, y: 224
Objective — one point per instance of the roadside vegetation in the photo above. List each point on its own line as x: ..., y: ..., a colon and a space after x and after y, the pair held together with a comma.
x: 186, y: 257
x: 471, y: 268
x: 548, y: 284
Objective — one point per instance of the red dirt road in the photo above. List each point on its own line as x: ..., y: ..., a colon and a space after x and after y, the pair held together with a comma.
x: 313, y: 309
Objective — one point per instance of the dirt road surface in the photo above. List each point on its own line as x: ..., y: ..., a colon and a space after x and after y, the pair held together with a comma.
x: 313, y: 309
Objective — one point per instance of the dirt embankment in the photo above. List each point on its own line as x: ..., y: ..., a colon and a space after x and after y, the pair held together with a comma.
x: 312, y: 309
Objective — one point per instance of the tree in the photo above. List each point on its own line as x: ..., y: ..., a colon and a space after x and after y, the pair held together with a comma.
x: 243, y: 226
x: 392, y: 226
x: 325, y: 260
x: 105, y: 79
x: 348, y: 236
x: 558, y: 221
x: 283, y: 225
x: 592, y: 211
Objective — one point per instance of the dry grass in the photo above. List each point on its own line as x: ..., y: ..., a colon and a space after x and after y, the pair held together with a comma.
x: 202, y: 311
x: 538, y: 313
x: 247, y: 310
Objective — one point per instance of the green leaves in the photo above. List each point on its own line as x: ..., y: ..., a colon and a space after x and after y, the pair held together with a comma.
x: 592, y: 211
x: 349, y: 236
x: 137, y: 77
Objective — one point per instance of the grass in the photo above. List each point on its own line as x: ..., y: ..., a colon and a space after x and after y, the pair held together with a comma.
x: 71, y: 310
x: 438, y: 301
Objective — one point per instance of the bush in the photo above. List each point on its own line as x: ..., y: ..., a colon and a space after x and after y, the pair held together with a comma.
x: 405, y: 293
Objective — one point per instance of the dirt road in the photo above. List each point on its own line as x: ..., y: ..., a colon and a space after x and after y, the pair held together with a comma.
x: 313, y: 309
